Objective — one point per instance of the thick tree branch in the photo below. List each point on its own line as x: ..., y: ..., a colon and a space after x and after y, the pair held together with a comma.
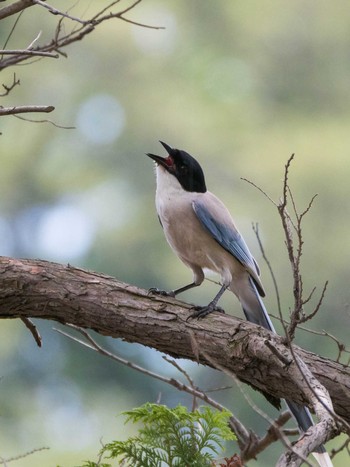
x: 39, y: 289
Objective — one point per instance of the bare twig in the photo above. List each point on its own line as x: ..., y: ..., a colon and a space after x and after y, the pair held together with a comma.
x: 25, y: 109
x: 343, y: 446
x: 260, y: 189
x: 236, y: 426
x: 12, y: 31
x: 54, y: 11
x: 250, y: 451
x: 36, y: 38
x: 318, y: 305
x: 319, y: 397
x: 21, y: 456
x: 76, y: 34
x: 273, y: 432
x: 314, y: 392
x: 186, y: 375
x: 341, y: 347
x: 8, y: 89
x: 295, y: 251
x: 33, y: 329
x: 26, y: 119
x: 28, y: 52
x: 274, y: 280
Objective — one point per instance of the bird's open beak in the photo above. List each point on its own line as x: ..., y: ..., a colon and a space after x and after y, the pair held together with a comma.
x: 166, y: 162
x: 159, y: 160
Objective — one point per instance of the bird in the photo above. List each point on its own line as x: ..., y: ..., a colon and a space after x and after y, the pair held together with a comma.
x: 201, y: 232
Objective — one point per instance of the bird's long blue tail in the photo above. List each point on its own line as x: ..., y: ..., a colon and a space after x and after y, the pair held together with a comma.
x: 255, y: 312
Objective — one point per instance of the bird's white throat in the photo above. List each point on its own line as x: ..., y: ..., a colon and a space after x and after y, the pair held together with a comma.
x: 167, y: 184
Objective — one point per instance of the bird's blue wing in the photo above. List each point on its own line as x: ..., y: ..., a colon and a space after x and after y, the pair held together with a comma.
x: 227, y: 236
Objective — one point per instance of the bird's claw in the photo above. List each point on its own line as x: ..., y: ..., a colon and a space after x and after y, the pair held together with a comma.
x: 202, y: 311
x: 164, y: 293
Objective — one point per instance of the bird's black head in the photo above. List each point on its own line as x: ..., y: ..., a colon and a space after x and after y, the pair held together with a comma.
x: 184, y: 167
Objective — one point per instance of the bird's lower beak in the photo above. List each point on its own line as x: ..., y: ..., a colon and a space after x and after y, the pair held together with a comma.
x: 166, y: 162
x: 159, y: 160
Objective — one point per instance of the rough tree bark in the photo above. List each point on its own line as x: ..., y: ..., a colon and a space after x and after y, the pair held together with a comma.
x: 39, y: 289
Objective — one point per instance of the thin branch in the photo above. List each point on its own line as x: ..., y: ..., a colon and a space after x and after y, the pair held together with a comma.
x: 273, y: 432
x: 28, y: 52
x: 308, y: 207
x: 319, y: 397
x: 25, y: 109
x: 103, y: 11
x: 12, y: 31
x: 45, y: 121
x: 33, y: 329
x: 180, y: 369
x: 259, y: 189
x: 76, y: 34
x: 54, y: 11
x: 130, y: 7
x: 274, y: 280
x: 8, y: 89
x: 341, y: 347
x: 186, y: 375
x: 250, y: 452
x: 251, y: 444
x: 36, y: 38
x: 235, y: 424
x: 343, y: 446
x: 21, y: 456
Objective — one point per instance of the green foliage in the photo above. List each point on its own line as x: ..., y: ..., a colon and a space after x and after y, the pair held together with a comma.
x: 171, y: 437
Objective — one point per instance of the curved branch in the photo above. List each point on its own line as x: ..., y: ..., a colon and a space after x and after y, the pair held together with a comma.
x: 40, y: 289
x: 14, y: 8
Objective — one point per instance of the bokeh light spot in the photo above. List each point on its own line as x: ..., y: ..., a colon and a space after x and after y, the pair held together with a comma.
x: 101, y: 119
x: 64, y: 233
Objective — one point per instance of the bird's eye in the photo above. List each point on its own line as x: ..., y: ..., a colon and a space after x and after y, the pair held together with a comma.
x: 183, y: 167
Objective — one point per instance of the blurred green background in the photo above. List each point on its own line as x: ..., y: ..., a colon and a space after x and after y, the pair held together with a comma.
x: 241, y: 86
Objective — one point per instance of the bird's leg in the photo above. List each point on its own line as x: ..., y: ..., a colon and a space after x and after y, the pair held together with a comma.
x: 202, y: 311
x: 172, y: 293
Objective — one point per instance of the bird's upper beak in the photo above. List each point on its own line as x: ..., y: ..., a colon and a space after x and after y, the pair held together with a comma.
x: 166, y: 162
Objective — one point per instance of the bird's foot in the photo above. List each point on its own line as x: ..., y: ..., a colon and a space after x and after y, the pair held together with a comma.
x: 164, y: 293
x: 202, y: 311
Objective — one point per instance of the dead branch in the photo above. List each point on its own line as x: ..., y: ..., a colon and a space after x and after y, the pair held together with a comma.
x: 294, y: 247
x: 60, y: 39
x: 243, y: 435
x: 26, y: 119
x: 8, y: 88
x: 28, y: 52
x: 14, y: 8
x: 33, y: 329
x: 281, y: 436
x: 21, y: 456
x: 343, y: 446
x: 25, y: 109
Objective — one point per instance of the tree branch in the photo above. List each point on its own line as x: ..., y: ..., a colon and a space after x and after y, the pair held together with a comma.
x: 20, y: 109
x: 28, y: 52
x: 14, y: 8
x: 39, y: 289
